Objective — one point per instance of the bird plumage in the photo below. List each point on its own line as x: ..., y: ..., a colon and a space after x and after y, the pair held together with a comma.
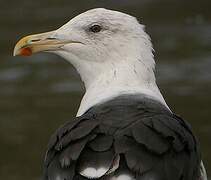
x: 124, y: 130
x: 134, y: 131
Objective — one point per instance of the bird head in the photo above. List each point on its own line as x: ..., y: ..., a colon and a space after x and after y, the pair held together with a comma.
x: 110, y: 50
x: 93, y: 40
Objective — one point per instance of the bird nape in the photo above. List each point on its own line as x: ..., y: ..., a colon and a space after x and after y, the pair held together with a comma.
x: 124, y: 129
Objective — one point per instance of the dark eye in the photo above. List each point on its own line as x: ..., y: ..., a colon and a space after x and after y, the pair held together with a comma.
x: 95, y: 28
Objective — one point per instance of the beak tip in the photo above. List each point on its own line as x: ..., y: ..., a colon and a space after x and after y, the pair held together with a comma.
x: 20, y: 46
x: 20, y: 50
x: 17, y: 48
x: 15, y: 52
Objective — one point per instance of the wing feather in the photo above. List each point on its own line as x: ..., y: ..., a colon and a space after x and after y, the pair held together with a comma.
x: 129, y: 141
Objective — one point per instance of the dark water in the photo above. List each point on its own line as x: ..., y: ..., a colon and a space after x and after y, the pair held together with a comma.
x: 39, y: 93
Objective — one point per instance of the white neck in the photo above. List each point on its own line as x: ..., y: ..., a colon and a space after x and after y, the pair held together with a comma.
x: 116, y: 68
x: 128, y: 78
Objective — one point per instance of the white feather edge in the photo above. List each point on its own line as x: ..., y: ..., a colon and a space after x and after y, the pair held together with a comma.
x: 93, y: 173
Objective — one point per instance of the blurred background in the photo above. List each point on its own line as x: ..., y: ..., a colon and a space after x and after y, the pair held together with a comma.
x: 39, y: 93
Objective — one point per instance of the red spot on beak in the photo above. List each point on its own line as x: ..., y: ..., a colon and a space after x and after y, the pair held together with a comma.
x: 26, y: 52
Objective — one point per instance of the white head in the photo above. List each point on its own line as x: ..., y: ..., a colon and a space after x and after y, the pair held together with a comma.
x: 110, y: 50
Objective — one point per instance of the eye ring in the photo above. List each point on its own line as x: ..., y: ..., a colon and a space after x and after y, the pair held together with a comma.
x: 95, y: 28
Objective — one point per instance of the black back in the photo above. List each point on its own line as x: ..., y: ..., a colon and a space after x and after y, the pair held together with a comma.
x: 132, y: 135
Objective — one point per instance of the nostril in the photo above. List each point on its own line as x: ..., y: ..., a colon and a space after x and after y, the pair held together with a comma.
x: 50, y: 38
x: 35, y: 40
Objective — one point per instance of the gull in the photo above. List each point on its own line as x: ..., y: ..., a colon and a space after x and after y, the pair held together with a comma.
x: 124, y: 129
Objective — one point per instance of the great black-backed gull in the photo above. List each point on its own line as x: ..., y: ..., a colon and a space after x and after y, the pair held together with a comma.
x: 124, y: 129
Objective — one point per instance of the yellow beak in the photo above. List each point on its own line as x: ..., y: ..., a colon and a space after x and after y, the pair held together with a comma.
x: 38, y: 43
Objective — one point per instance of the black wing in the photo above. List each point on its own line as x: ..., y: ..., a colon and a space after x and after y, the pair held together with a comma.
x: 133, y: 141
